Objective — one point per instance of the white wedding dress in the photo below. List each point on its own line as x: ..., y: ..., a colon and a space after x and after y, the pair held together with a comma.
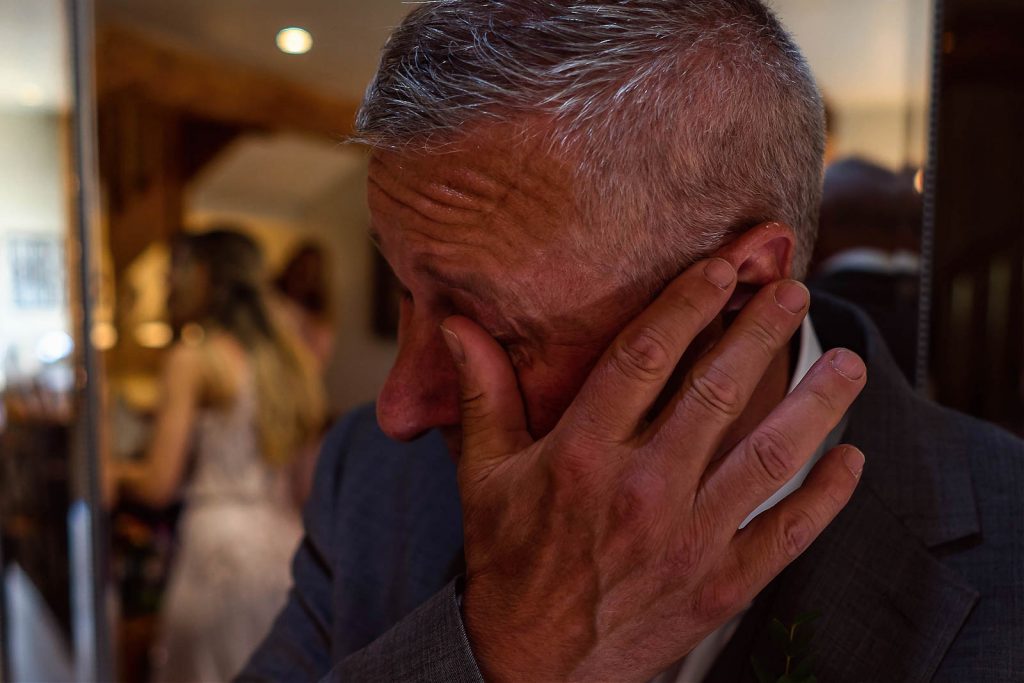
x: 237, y: 535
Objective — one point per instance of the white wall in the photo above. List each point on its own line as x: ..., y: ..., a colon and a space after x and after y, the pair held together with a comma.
x: 361, y: 360
x: 31, y: 203
x: 872, y: 60
x: 885, y: 134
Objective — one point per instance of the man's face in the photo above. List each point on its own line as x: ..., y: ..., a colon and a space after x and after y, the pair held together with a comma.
x: 483, y: 230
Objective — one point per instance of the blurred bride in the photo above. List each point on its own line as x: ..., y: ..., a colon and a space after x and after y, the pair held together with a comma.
x: 241, y: 407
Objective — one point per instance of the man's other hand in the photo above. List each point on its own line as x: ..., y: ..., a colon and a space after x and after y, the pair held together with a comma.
x: 610, y: 548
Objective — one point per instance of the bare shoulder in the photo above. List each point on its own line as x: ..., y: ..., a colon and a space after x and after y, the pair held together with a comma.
x: 217, y: 363
x: 225, y: 347
x: 226, y: 365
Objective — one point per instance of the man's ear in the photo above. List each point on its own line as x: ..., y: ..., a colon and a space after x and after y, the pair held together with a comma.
x: 761, y: 255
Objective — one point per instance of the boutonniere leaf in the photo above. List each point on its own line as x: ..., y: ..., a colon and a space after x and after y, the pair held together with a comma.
x: 793, y: 646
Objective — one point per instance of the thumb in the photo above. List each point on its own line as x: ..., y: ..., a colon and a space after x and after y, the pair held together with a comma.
x: 493, y: 419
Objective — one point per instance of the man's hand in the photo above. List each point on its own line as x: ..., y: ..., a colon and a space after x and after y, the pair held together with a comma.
x: 609, y: 548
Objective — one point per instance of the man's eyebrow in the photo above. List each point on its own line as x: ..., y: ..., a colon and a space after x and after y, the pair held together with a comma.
x: 523, y: 326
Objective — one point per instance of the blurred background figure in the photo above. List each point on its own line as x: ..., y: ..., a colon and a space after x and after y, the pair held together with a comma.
x: 241, y: 404
x: 304, y: 289
x: 867, y: 250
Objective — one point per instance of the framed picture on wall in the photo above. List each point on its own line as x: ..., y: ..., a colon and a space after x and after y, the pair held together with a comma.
x: 36, y: 264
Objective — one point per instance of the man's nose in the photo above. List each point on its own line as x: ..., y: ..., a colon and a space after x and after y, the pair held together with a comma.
x: 421, y: 391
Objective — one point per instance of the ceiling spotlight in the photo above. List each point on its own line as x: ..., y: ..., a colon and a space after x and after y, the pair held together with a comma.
x: 294, y: 40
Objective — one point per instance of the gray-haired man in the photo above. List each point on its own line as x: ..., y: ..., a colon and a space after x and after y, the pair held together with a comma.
x: 596, y: 209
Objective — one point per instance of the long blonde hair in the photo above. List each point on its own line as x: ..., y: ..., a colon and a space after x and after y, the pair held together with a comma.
x: 289, y: 392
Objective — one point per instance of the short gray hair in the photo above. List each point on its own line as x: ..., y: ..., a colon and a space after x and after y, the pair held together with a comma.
x: 691, y: 119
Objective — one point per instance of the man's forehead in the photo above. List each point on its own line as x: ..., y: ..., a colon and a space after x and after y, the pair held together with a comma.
x: 492, y: 216
x: 420, y: 217
x: 492, y: 190
x: 456, y: 177
x: 488, y: 162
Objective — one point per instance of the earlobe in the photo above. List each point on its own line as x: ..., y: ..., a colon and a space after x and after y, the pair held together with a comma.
x: 761, y: 255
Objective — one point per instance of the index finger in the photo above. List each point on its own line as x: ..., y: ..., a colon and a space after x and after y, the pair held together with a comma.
x: 623, y: 386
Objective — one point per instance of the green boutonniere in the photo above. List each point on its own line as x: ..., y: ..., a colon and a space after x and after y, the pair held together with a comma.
x: 794, y: 644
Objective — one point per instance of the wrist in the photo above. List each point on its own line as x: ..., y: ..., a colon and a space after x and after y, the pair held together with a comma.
x: 512, y: 642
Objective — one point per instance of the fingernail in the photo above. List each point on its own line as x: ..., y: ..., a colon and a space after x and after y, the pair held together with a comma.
x: 848, y: 365
x: 854, y: 461
x: 454, y: 345
x: 792, y: 296
x: 719, y: 273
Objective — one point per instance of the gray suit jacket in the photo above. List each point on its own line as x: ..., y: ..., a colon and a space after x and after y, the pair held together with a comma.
x: 921, y: 577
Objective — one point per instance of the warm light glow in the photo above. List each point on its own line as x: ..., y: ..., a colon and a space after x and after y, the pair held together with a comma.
x: 103, y: 336
x: 154, y: 335
x: 30, y: 95
x: 919, y: 181
x: 294, y: 40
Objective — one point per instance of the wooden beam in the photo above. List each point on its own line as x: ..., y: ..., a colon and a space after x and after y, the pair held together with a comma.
x: 217, y: 89
x: 141, y: 150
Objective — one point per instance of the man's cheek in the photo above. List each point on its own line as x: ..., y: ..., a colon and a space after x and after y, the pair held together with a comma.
x: 549, y: 390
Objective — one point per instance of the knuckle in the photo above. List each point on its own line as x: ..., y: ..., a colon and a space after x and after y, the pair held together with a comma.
x: 836, y: 493
x: 593, y: 425
x: 684, y: 559
x: 685, y: 306
x: 473, y: 405
x: 774, y: 454
x: 798, y: 529
x: 643, y: 356
x: 637, y: 499
x: 761, y: 336
x: 717, y: 392
x: 823, y: 398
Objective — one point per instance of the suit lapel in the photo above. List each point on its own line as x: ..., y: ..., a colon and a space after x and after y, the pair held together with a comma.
x: 890, y: 609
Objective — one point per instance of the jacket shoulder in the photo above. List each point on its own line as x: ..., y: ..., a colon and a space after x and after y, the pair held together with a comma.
x: 329, y: 475
x: 388, y: 517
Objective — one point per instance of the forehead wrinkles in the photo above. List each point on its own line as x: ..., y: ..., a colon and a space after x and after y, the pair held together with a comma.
x: 439, y: 228
x: 493, y: 181
x: 437, y: 192
x: 494, y: 193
